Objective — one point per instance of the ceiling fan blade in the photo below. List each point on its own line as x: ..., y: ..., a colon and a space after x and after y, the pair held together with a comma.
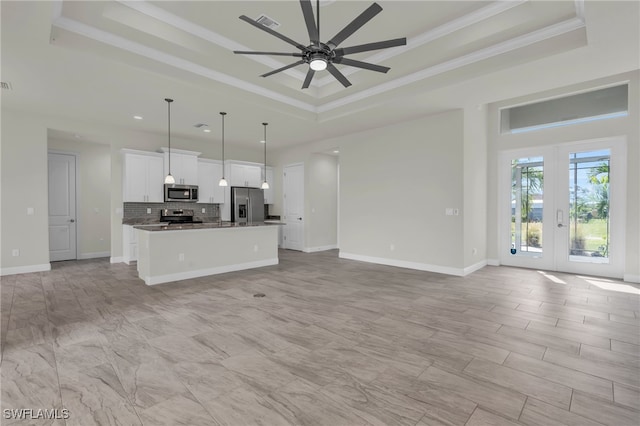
x: 307, y: 80
x: 338, y: 75
x: 371, y: 46
x: 243, y: 52
x: 360, y: 64
x: 273, y: 33
x: 362, y: 19
x: 307, y: 12
x: 286, y: 67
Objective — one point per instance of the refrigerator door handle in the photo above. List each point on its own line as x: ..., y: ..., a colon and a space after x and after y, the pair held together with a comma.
x: 250, y: 220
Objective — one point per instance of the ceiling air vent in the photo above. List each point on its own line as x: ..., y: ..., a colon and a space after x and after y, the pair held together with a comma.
x: 267, y: 22
x: 5, y: 85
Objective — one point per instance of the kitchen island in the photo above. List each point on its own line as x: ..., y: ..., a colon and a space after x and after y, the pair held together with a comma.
x: 176, y: 252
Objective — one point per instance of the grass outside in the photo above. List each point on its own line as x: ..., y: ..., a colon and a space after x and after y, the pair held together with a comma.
x: 593, y: 233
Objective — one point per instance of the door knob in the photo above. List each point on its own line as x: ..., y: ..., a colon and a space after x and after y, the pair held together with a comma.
x: 560, y: 225
x: 72, y: 220
x: 299, y: 218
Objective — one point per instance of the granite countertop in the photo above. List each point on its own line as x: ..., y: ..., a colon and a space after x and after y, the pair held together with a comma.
x: 210, y: 225
x: 145, y: 221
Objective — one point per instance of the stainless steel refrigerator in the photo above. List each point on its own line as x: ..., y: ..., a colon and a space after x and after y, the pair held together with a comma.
x: 247, y: 204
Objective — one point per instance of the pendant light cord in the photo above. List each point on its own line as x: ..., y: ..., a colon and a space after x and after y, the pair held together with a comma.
x: 169, y: 126
x: 265, y: 150
x: 223, y: 114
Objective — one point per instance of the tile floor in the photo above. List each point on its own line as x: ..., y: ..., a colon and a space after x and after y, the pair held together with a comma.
x: 334, y: 342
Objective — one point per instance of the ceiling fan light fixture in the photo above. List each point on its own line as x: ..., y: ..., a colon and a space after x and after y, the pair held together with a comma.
x: 318, y: 64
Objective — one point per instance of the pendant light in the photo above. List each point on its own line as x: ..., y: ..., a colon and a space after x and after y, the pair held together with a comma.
x: 169, y: 179
x: 223, y: 181
x: 265, y: 184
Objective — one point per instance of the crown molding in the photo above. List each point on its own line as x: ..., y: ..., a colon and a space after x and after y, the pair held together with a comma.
x: 156, y: 55
x: 479, y: 55
x: 560, y: 28
x: 457, y: 24
x: 198, y: 31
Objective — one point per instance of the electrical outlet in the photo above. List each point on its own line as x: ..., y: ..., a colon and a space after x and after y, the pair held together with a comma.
x: 448, y: 211
x: 456, y: 212
x: 204, y: 210
x: 181, y: 257
x: 15, y: 252
x: 148, y: 211
x: 255, y: 247
x: 392, y: 247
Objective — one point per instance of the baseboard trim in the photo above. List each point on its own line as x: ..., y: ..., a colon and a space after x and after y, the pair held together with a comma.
x: 404, y: 264
x: 631, y: 278
x: 14, y: 270
x: 319, y: 248
x: 116, y: 259
x: 475, y: 267
x: 94, y: 255
x: 493, y: 262
x: 160, y: 279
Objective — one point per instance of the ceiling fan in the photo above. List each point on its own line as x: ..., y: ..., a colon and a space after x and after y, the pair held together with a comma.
x: 321, y: 56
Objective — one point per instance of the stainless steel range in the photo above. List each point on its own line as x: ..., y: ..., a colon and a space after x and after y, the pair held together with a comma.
x: 177, y: 216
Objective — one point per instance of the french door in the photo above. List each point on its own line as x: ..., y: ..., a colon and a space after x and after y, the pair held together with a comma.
x: 562, y: 207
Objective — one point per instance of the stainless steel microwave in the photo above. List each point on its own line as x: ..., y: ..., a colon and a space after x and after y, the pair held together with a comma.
x: 183, y: 193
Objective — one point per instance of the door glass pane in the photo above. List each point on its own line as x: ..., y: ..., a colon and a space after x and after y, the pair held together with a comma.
x: 589, y: 206
x: 527, y: 178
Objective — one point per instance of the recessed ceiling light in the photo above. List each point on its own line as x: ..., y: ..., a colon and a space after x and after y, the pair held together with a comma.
x: 335, y: 151
x: 207, y: 130
x: 137, y: 117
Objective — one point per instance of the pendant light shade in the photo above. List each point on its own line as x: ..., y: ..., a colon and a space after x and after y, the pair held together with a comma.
x: 223, y: 181
x: 265, y: 184
x: 169, y: 179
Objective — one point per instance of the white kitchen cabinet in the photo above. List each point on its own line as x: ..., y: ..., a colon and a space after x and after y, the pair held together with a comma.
x: 209, y: 174
x: 184, y: 166
x: 269, y: 193
x: 245, y: 175
x: 143, y: 179
x: 129, y: 244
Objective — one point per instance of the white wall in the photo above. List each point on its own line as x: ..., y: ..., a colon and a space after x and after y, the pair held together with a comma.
x: 395, y: 183
x: 627, y: 126
x: 475, y: 187
x: 93, y: 195
x: 24, y: 184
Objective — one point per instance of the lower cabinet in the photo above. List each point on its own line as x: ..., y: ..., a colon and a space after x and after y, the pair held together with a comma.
x: 129, y: 244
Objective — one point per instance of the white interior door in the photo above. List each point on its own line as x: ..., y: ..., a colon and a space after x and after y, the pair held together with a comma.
x: 62, y: 207
x: 293, y: 193
x: 563, y: 207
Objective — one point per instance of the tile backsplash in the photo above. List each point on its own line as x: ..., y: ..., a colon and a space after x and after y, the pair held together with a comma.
x: 139, y: 210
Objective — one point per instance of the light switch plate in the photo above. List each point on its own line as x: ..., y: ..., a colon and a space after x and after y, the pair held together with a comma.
x: 30, y: 211
x: 448, y: 211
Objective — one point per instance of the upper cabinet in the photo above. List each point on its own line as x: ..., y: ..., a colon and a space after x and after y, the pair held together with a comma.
x: 209, y: 174
x: 269, y: 193
x: 184, y: 166
x: 143, y: 179
x: 243, y: 174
